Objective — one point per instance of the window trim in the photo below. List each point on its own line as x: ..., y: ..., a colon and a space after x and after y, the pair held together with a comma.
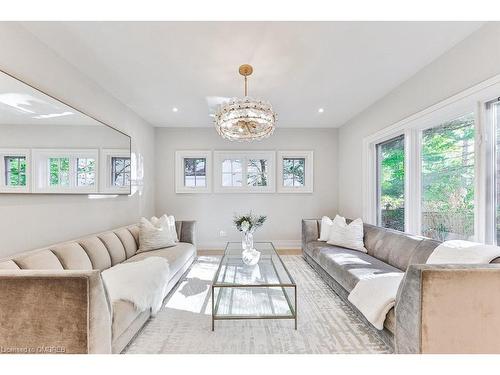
x: 39, y: 177
x: 180, y: 187
x: 220, y: 156
x: 106, y: 186
x: 308, y: 187
x: 21, y: 152
x: 474, y: 100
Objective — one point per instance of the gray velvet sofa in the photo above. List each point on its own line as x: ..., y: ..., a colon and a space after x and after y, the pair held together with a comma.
x: 429, y: 295
x: 53, y: 299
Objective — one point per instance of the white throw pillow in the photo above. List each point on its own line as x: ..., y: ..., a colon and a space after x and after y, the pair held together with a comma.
x: 153, y: 237
x: 170, y: 221
x: 326, y: 226
x: 347, y: 235
x: 173, y: 229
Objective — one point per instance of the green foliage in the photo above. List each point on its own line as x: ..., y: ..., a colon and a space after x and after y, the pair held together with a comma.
x: 293, y: 169
x: 85, y: 171
x: 59, y: 171
x: 16, y: 170
x: 249, y: 222
x: 392, y: 174
x: 447, y: 180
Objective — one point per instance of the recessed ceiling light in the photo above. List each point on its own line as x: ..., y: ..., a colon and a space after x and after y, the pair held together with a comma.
x: 175, y: 109
x: 321, y: 110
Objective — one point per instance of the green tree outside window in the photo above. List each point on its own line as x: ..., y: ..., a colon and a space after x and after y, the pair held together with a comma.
x: 15, y: 170
x: 59, y: 172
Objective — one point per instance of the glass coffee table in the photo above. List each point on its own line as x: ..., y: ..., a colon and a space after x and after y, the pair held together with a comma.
x: 263, y: 291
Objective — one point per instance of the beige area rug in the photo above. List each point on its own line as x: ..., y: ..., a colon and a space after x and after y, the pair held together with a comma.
x: 326, y: 324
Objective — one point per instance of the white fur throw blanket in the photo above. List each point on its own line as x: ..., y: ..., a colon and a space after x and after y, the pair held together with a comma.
x: 374, y: 296
x: 463, y: 252
x: 143, y: 283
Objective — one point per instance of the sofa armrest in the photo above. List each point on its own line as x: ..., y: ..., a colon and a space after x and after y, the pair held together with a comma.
x: 186, y: 231
x: 449, y: 309
x: 310, y: 231
x: 54, y: 311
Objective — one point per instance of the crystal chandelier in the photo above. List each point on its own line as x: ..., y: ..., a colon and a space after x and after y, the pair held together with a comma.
x: 245, y: 119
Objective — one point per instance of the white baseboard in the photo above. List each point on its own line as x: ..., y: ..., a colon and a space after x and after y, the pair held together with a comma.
x: 278, y: 244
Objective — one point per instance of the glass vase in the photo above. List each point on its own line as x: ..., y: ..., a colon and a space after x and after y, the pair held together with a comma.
x: 247, y: 240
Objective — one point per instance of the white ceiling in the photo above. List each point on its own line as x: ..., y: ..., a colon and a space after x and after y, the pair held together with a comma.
x: 343, y: 67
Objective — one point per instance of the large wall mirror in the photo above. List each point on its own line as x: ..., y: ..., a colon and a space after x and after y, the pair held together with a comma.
x: 48, y: 147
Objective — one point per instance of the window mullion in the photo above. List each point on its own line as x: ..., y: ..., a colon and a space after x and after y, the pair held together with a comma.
x: 244, y: 171
x: 413, y: 181
x: 482, y: 169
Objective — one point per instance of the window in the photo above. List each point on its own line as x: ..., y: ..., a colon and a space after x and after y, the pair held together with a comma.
x: 244, y: 171
x: 58, y: 171
x: 447, y: 206
x: 452, y: 167
x: 391, y: 183
x: 85, y: 172
x: 120, y: 171
x: 15, y: 170
x: 295, y: 172
x: 257, y: 172
x: 65, y: 170
x: 232, y: 172
x: 195, y: 174
x: 115, y: 171
x: 192, y: 171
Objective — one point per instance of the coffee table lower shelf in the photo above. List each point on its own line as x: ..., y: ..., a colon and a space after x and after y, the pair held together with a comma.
x: 265, y: 290
x: 278, y: 306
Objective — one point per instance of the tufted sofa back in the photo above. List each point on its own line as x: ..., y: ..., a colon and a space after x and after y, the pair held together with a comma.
x: 98, y: 252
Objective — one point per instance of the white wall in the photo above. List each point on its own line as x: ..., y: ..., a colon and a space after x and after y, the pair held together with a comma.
x: 214, y: 212
x: 59, y: 136
x: 31, y: 221
x: 475, y: 59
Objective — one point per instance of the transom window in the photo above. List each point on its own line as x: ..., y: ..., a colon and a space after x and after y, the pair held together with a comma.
x: 59, y: 171
x: 15, y: 170
x: 294, y: 171
x: 65, y: 170
x: 257, y: 170
x: 391, y: 183
x: 120, y: 171
x: 244, y: 171
x: 85, y: 171
x: 195, y: 172
x: 232, y: 172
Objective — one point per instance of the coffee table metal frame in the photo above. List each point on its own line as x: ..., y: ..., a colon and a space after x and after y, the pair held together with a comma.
x: 291, y: 284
